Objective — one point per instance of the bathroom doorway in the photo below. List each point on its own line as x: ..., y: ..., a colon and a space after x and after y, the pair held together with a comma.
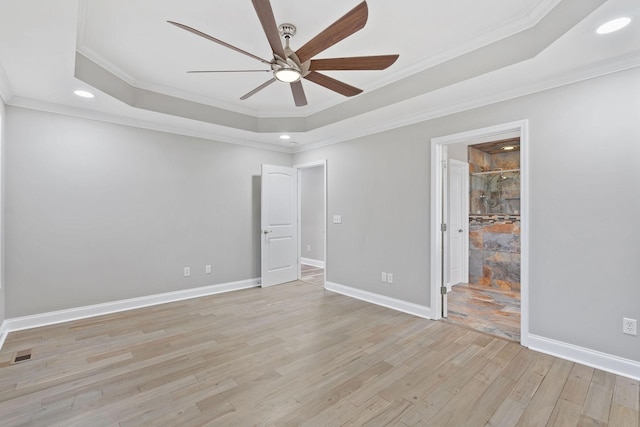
x: 491, y: 295
x: 487, y: 296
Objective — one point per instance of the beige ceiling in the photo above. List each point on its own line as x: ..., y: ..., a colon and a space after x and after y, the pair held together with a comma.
x: 453, y: 55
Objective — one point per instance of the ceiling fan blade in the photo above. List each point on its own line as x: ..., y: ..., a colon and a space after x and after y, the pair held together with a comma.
x: 213, y: 39
x: 354, y: 63
x: 268, y: 21
x: 258, y: 89
x: 353, y: 21
x: 333, y: 84
x: 298, y: 94
x: 228, y: 71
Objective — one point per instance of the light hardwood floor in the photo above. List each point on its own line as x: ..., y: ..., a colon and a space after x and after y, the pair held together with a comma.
x: 294, y: 354
x: 313, y: 275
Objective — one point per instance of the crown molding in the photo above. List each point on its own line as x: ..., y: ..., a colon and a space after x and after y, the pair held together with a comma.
x: 524, y: 22
x: 379, y: 121
x: 159, y: 123
x: 441, y: 110
x: 536, y: 14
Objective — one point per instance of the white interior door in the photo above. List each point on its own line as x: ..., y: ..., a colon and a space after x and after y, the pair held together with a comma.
x: 458, y: 259
x: 279, y: 217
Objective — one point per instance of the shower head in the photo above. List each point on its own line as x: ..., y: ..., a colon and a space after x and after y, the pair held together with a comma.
x: 501, y: 177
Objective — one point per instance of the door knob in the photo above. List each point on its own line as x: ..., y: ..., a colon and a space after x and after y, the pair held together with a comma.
x: 267, y: 231
x: 460, y: 231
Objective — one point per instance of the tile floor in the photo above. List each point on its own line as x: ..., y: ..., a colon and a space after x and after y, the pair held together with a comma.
x: 483, y: 308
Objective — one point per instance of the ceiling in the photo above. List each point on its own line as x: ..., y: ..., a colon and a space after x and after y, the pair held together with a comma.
x: 498, y: 147
x: 453, y: 56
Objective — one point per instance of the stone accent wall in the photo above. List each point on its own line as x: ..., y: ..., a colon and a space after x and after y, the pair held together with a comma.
x: 494, y: 251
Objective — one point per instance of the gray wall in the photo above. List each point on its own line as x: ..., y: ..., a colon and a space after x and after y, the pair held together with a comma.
x: 98, y: 212
x: 312, y: 213
x: 458, y: 152
x: 2, y: 169
x: 585, y: 201
x: 379, y: 185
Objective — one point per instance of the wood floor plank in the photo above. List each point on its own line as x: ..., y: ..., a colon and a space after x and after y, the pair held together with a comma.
x: 626, y: 393
x: 425, y: 408
x: 544, y: 400
x: 598, y: 402
x: 623, y: 416
x: 294, y: 354
x: 577, y: 386
x: 565, y: 414
x: 507, y: 414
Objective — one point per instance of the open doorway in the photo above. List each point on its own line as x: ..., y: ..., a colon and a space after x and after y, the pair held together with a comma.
x: 484, y: 221
x: 312, y: 222
x: 480, y: 256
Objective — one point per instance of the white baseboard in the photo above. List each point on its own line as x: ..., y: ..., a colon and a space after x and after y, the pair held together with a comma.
x: 3, y: 333
x: 395, y: 304
x: 606, y: 362
x: 312, y: 262
x: 595, y: 359
x: 53, y: 317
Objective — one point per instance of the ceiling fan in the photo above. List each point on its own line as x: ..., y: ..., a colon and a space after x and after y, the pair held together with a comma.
x: 290, y: 66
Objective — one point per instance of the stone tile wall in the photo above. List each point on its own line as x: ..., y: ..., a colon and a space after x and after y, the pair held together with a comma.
x: 494, y: 251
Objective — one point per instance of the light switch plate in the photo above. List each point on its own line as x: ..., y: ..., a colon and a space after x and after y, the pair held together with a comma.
x: 337, y: 219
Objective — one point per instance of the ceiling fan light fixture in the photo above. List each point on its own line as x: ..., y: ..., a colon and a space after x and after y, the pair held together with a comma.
x: 287, y: 75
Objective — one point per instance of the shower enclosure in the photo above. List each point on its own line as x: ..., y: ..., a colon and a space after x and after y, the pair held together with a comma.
x: 495, y: 192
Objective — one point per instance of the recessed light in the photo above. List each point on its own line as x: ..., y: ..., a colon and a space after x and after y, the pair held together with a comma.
x: 509, y: 147
x: 613, y: 25
x: 84, y: 94
x: 285, y: 137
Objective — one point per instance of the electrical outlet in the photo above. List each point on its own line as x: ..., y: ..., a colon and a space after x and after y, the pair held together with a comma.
x: 207, y: 269
x: 389, y: 278
x: 187, y: 271
x: 308, y: 248
x: 383, y: 277
x: 630, y: 326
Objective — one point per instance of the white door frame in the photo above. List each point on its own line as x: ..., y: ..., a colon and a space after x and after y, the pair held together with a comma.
x: 438, y: 156
x: 299, y: 167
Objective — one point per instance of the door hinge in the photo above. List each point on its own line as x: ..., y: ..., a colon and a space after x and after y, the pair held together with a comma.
x: 443, y: 290
x: 443, y: 227
x: 444, y: 164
